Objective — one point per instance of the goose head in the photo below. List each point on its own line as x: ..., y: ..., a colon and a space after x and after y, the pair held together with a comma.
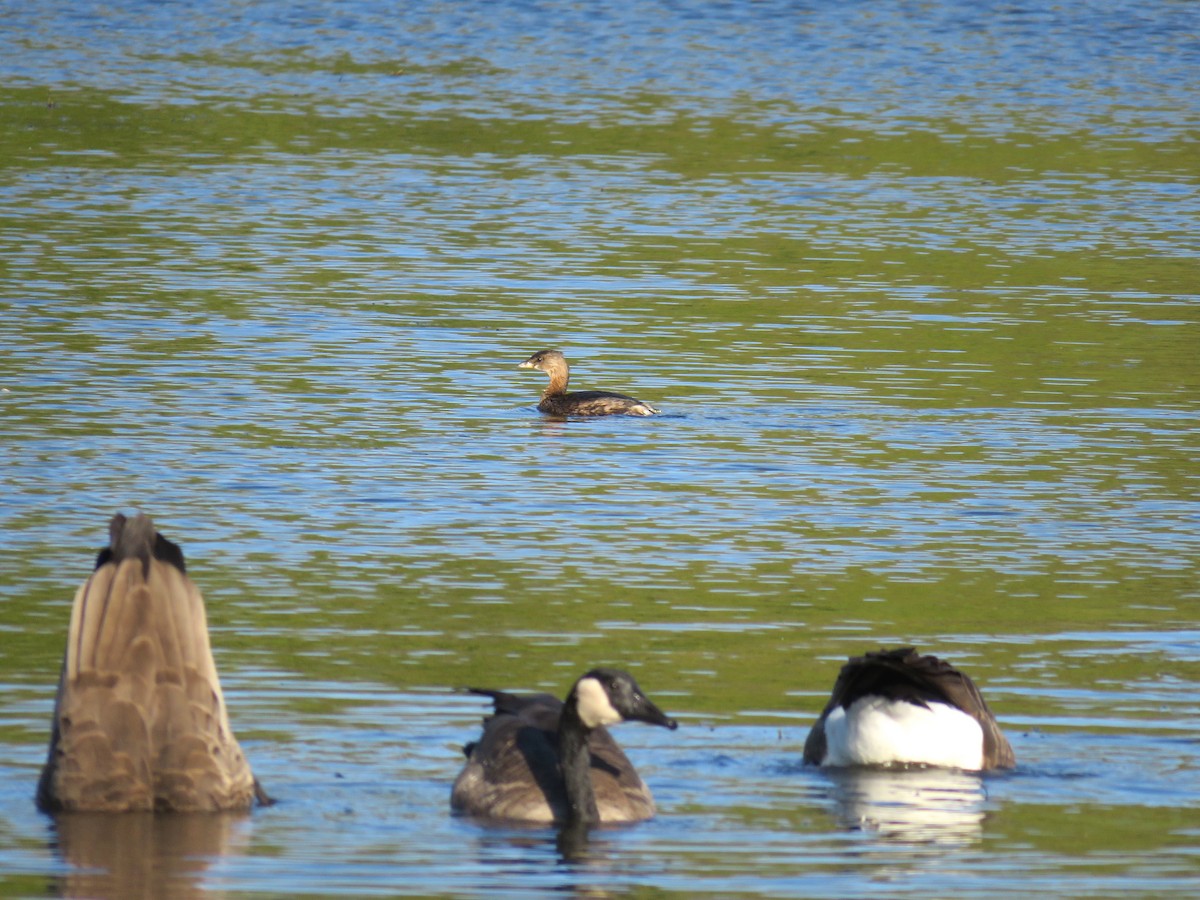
x: 609, y: 696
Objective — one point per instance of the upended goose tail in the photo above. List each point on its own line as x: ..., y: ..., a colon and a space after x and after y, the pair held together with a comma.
x: 140, y: 722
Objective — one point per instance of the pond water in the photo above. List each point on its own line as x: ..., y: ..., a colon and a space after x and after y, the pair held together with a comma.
x: 915, y: 286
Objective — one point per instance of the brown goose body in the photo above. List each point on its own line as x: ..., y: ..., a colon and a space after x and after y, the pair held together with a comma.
x: 139, y: 721
x: 520, y: 769
x: 557, y: 401
x: 885, y: 696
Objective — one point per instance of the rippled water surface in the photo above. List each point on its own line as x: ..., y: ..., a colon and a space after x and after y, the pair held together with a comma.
x: 915, y: 286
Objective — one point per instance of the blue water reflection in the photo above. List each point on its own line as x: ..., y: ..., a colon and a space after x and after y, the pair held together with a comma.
x: 914, y: 285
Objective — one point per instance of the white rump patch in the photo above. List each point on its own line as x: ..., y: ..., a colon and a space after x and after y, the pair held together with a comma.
x: 876, y: 731
x: 594, y: 707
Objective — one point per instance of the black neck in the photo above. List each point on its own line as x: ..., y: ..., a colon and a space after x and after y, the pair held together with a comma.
x: 575, y: 761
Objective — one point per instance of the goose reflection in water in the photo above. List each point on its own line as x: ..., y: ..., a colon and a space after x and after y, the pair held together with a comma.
x: 143, y: 855
x: 913, y: 805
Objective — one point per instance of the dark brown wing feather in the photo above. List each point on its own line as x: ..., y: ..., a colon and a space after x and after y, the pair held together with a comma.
x: 513, y: 771
x: 590, y: 403
x: 903, y: 674
x: 140, y: 720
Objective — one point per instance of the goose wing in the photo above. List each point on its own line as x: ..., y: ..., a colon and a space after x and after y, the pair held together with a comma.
x: 512, y: 771
x: 621, y: 794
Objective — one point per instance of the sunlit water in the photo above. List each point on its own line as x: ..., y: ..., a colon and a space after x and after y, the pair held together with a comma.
x: 914, y: 285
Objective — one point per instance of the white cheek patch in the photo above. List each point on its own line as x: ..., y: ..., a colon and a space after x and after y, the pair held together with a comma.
x: 595, y: 709
x: 875, y: 731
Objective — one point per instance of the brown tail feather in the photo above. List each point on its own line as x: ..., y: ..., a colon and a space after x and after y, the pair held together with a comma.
x: 140, y: 720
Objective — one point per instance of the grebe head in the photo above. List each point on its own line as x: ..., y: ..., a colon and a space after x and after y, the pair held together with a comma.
x: 545, y: 360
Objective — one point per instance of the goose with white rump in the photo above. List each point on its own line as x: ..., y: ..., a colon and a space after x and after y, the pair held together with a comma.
x: 545, y: 761
x: 897, y: 708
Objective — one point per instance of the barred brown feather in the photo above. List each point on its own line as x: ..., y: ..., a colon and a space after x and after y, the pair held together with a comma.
x: 140, y: 722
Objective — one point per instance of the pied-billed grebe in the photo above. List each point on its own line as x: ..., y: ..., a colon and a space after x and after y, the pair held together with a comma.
x: 543, y: 760
x: 556, y: 401
x: 140, y: 722
x: 894, y: 707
